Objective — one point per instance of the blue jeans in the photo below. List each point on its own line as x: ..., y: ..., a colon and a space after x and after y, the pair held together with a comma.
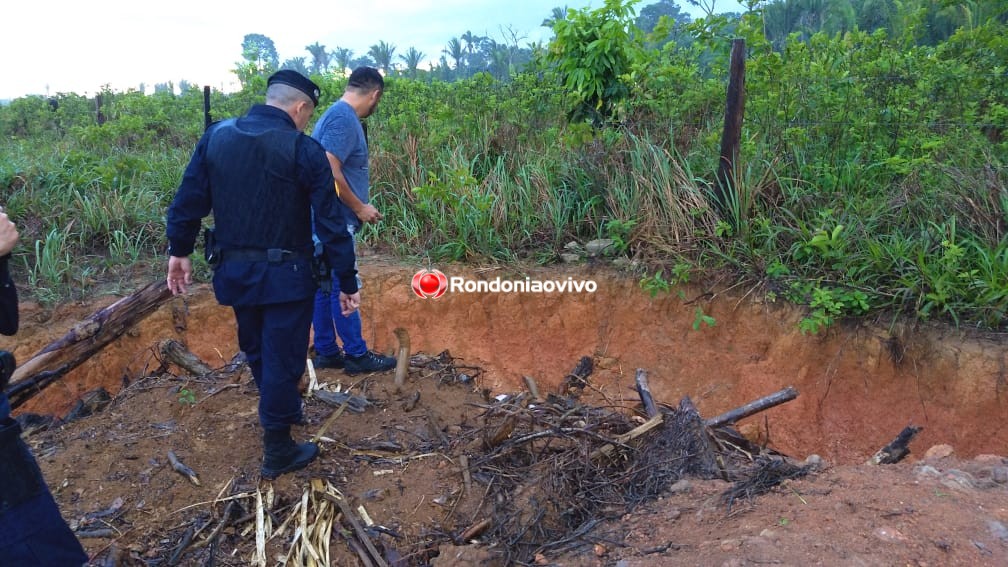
x: 328, y: 321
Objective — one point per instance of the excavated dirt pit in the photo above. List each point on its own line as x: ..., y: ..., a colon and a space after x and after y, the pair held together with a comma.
x: 858, y: 387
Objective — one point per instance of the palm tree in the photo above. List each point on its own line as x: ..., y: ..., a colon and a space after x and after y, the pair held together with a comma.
x: 382, y: 53
x: 320, y: 58
x: 412, y: 60
x: 470, y: 41
x: 362, y: 61
x: 455, y: 51
x: 500, y: 62
x: 555, y: 16
x: 838, y: 17
x: 297, y: 64
x: 443, y: 69
x: 342, y: 57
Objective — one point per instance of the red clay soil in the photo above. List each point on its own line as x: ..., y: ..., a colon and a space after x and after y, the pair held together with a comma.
x: 858, y: 387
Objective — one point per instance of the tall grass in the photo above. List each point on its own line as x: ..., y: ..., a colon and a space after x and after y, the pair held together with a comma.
x: 871, y: 178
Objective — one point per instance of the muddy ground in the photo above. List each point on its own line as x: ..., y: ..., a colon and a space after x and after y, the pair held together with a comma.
x: 401, y: 460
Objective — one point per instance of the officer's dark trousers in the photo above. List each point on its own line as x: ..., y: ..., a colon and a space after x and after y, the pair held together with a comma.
x: 274, y: 339
x: 32, y: 531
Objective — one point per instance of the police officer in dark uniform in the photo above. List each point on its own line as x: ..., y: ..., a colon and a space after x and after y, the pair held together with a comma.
x: 262, y: 178
x: 32, y: 532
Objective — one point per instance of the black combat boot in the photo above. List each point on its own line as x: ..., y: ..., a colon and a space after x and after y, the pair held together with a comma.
x: 283, y: 455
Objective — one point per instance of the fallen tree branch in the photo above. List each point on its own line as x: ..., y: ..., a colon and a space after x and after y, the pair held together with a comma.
x: 348, y: 515
x: 182, y: 468
x: 82, y: 341
x: 215, y: 533
x: 96, y: 533
x: 362, y: 553
x: 474, y: 530
x: 214, y: 392
x: 632, y: 434
x: 176, y: 555
x: 644, y: 391
x: 754, y: 407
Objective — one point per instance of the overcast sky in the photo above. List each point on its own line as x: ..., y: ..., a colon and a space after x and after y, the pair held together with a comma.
x: 51, y: 46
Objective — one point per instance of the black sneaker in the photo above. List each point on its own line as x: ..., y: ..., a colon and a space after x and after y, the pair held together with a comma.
x: 332, y: 361
x: 368, y: 362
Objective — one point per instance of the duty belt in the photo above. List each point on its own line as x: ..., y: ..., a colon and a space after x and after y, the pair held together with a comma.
x: 271, y: 255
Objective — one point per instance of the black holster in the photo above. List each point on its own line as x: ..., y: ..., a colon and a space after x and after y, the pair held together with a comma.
x: 321, y: 270
x: 211, y: 252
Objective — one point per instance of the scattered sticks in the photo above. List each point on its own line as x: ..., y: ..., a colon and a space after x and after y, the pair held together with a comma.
x: 359, y: 530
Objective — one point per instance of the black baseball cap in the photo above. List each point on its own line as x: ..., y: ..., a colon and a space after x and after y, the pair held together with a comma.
x: 294, y: 79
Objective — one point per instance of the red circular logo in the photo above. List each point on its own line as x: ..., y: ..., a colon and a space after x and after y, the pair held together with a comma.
x: 430, y: 284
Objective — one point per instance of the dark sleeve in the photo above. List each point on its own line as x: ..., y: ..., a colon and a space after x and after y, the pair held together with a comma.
x: 191, y: 203
x: 8, y: 300
x: 330, y: 222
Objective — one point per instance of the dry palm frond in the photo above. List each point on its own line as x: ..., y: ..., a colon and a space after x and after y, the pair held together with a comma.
x: 259, y: 559
x: 315, y: 517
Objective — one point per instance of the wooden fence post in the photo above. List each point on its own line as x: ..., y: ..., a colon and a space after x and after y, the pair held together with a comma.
x: 206, y: 107
x: 732, y: 134
x: 99, y: 115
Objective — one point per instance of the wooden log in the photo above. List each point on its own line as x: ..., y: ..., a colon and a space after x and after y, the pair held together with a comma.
x: 754, y: 407
x: 897, y: 448
x: 176, y: 353
x: 644, y: 391
x: 84, y: 340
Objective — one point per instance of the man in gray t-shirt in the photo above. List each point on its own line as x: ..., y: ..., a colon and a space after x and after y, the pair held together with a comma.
x: 342, y: 136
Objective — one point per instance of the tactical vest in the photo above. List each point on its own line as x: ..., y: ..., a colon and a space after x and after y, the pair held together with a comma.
x: 256, y: 198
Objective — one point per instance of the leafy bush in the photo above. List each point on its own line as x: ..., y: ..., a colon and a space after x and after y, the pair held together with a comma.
x: 871, y: 179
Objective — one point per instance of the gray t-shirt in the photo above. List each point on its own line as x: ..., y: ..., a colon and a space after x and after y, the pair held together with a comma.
x: 341, y: 134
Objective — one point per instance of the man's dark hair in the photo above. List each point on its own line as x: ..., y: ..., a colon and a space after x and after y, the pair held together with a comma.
x: 366, y: 79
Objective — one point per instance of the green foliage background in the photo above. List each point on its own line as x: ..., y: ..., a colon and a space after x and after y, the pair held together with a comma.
x: 871, y: 180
